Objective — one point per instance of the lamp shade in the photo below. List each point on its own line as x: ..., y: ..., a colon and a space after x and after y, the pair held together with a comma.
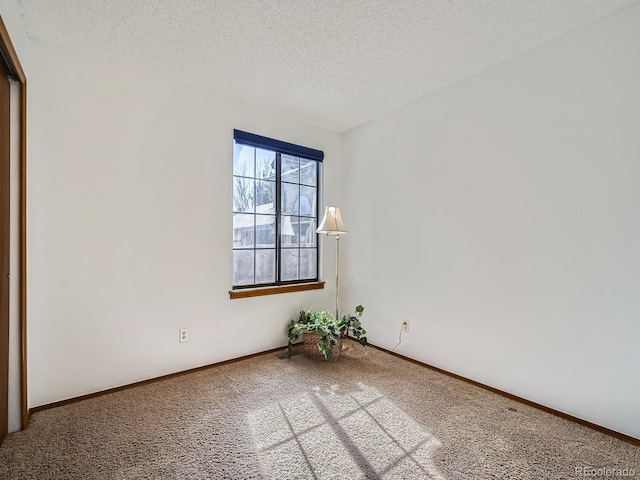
x: 332, y: 222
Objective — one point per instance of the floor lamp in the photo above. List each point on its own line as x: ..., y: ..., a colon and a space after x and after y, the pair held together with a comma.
x: 332, y: 225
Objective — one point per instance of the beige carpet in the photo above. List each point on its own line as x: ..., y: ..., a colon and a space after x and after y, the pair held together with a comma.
x: 369, y: 415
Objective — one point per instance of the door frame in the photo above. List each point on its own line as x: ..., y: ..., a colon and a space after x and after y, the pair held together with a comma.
x: 17, y: 73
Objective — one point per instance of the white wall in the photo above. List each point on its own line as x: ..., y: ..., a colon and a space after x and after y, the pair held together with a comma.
x: 130, y: 227
x: 500, y: 217
x: 13, y: 21
x: 15, y: 354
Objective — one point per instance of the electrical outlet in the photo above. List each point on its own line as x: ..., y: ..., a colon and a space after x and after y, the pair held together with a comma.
x: 405, y: 326
x: 184, y: 335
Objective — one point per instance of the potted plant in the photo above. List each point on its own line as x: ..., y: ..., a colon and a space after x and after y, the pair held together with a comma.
x: 323, y: 334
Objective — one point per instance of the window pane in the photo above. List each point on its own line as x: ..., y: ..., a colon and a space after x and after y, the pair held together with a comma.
x: 243, y: 194
x: 243, y: 267
x: 289, y: 231
x: 308, y: 172
x: 290, y: 201
x: 308, y: 201
x: 265, y: 196
x: 308, y: 263
x: 289, y: 264
x: 265, y: 266
x: 308, y: 235
x: 265, y: 164
x: 265, y: 231
x: 290, y: 169
x: 243, y: 161
x: 243, y: 229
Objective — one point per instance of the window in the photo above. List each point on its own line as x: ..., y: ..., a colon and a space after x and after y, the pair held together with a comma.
x: 275, y: 212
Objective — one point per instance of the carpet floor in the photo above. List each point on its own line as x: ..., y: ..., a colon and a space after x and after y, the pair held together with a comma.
x: 369, y: 415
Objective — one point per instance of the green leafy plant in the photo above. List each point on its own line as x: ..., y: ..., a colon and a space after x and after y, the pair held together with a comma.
x: 329, y: 329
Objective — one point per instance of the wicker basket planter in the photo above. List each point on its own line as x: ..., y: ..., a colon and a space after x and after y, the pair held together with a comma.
x: 311, y: 348
x: 321, y: 327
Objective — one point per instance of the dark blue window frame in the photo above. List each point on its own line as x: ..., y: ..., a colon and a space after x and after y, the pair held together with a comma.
x: 253, y: 140
x: 282, y: 148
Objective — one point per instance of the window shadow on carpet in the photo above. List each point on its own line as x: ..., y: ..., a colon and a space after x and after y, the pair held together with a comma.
x: 329, y: 433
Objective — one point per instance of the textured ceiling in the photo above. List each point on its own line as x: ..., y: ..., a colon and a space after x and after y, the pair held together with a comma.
x: 332, y: 63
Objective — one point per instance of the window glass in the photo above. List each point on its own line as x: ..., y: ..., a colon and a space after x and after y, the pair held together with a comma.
x: 275, y: 213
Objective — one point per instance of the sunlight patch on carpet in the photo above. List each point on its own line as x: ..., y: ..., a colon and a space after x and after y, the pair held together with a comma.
x: 329, y: 433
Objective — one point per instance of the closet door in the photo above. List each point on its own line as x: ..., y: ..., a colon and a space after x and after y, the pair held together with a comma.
x: 4, y: 253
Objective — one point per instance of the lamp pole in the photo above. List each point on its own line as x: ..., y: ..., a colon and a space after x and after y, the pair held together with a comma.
x: 337, y: 276
x: 332, y: 225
